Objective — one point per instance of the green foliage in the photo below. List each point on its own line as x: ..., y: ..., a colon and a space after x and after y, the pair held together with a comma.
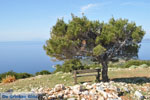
x: 144, y: 66
x: 98, y: 50
x: 82, y: 38
x: 43, y: 72
x: 69, y: 65
x: 118, y: 35
x: 136, y: 63
x: 16, y: 75
x: 93, y: 66
x: 11, y: 73
x: 23, y: 75
x: 58, y: 68
x: 131, y: 64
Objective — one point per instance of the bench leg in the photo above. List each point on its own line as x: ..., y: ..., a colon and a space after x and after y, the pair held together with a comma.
x: 75, y: 80
x: 75, y: 77
x: 98, y: 76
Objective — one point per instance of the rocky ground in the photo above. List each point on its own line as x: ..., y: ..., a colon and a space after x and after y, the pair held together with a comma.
x: 125, y: 84
x: 97, y: 91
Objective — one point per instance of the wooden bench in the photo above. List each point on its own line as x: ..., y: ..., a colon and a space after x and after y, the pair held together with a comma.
x: 83, y: 73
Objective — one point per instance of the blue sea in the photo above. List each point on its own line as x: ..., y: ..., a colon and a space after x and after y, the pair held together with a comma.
x: 24, y: 57
x: 30, y: 57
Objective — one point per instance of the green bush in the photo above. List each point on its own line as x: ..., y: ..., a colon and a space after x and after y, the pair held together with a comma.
x: 94, y: 66
x: 143, y: 66
x: 16, y: 75
x: 136, y: 63
x: 58, y: 68
x: 133, y: 66
x: 23, y: 75
x: 128, y: 64
x: 70, y: 65
x: 11, y: 73
x: 43, y: 72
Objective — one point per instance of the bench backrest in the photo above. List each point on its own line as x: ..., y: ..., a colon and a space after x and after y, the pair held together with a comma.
x: 86, y: 71
x: 82, y: 73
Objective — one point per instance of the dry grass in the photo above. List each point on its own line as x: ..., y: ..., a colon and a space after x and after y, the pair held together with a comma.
x: 50, y: 81
x: 8, y: 79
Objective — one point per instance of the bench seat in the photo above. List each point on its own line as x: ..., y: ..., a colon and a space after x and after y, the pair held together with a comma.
x: 87, y: 72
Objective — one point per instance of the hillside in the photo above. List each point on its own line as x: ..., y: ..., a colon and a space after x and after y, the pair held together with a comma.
x: 135, y: 78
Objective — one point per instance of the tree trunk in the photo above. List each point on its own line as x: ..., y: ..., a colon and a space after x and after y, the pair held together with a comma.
x: 104, y: 71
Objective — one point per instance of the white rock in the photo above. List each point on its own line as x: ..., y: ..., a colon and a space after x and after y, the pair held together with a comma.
x: 111, y: 82
x: 103, y: 93
x: 66, y: 91
x: 89, y: 87
x: 40, y: 90
x: 60, y: 95
x: 113, y: 99
x: 92, y: 92
x: 110, y: 95
x: 33, y: 90
x: 83, y: 99
x: 52, y: 97
x: 106, y: 83
x: 99, y: 88
x: 85, y: 84
x: 100, y: 98
x: 125, y: 89
x: 139, y: 95
x: 71, y: 99
x: 85, y: 92
x: 59, y: 87
x: 65, y: 96
x: 77, y: 89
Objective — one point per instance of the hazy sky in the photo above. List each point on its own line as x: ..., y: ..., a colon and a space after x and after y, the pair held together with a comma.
x: 31, y: 20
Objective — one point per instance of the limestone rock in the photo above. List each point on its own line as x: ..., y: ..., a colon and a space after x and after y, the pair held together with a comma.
x: 71, y: 99
x: 59, y: 87
x: 139, y: 95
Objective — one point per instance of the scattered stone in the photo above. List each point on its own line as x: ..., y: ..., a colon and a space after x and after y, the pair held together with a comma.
x: 59, y: 87
x: 85, y: 84
x: 85, y: 93
x: 99, y: 88
x: 126, y: 89
x: 77, y: 89
x: 96, y: 91
x: 139, y: 95
x: 71, y: 99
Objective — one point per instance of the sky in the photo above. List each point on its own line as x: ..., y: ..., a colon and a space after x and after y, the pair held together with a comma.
x: 32, y: 20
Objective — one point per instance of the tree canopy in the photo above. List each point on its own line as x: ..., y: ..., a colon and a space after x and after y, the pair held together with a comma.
x: 82, y: 38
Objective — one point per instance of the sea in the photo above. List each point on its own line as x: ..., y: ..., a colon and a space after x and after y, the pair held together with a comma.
x: 30, y: 57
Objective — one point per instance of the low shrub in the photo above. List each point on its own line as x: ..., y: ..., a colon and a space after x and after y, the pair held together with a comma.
x: 43, y: 72
x: 9, y: 73
x: 130, y: 63
x: 16, y: 75
x: 23, y: 75
x: 133, y: 66
x: 93, y: 66
x: 75, y: 64
x: 8, y: 79
x: 136, y: 63
x: 69, y: 65
x: 143, y: 66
